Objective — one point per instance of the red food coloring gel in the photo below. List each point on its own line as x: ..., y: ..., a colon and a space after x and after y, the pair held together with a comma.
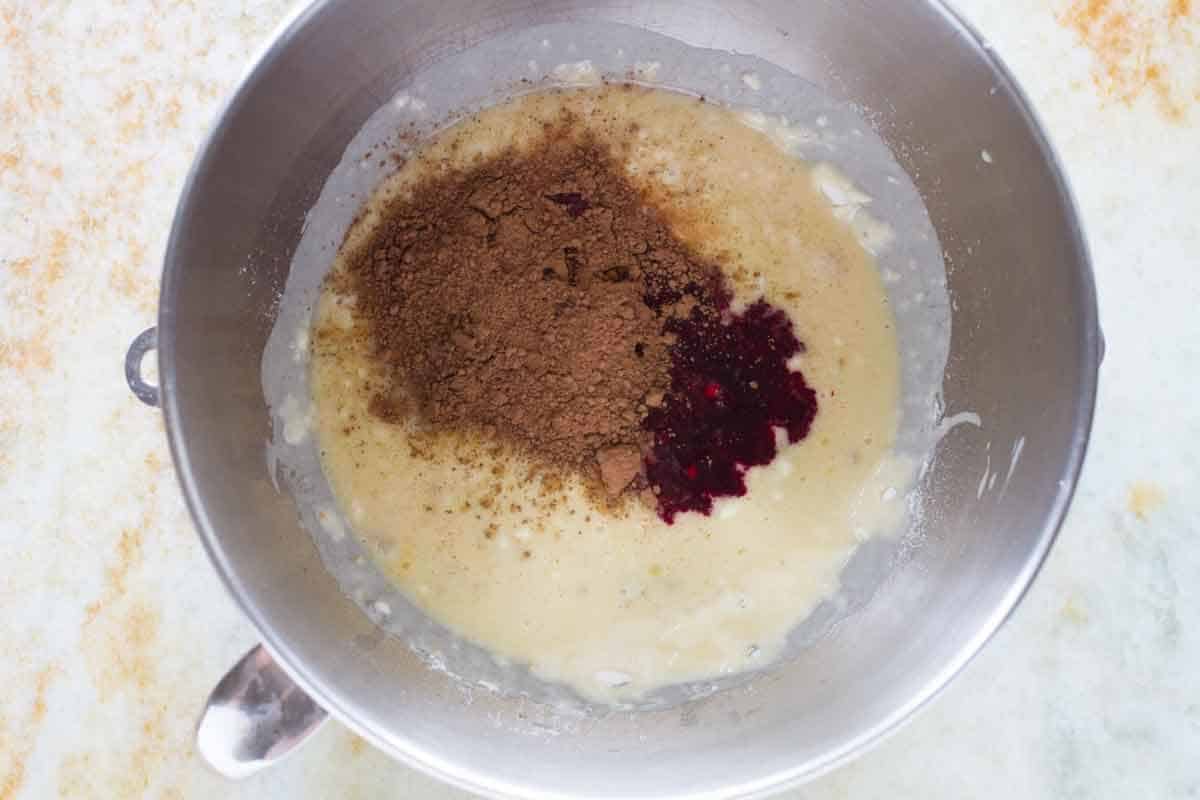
x: 730, y: 389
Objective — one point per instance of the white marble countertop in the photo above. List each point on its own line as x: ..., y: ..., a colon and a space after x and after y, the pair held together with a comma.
x: 114, y: 627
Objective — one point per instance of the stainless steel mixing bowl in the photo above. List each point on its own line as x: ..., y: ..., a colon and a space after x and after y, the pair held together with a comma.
x: 1024, y: 354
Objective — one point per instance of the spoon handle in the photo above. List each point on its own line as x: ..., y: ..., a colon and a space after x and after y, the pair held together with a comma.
x: 254, y: 717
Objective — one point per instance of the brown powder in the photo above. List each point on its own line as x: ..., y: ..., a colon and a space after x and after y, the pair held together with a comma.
x: 509, y: 299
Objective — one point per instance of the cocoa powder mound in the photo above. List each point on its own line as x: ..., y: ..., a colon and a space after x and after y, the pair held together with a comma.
x: 525, y: 298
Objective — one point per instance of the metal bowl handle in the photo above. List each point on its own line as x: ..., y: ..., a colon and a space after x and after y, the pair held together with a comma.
x: 146, y: 341
x: 254, y: 717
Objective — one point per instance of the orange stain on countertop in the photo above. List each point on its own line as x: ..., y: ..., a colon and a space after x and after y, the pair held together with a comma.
x: 17, y: 745
x: 128, y: 558
x: 120, y: 633
x: 1144, y: 499
x: 121, y: 640
x: 26, y: 355
x: 125, y: 774
x: 1141, y: 47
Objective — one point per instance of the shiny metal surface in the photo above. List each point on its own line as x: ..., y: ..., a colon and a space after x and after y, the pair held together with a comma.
x: 139, y: 348
x: 1025, y: 350
x: 254, y: 717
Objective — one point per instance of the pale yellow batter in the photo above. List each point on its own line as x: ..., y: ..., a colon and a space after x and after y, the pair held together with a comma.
x: 616, y: 605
